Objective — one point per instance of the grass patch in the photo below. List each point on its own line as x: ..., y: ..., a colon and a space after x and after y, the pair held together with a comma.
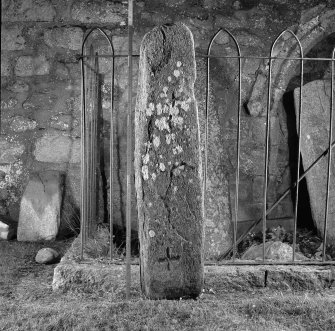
x: 27, y: 302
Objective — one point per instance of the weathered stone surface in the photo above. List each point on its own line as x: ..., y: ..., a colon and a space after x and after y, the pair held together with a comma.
x: 8, y: 103
x: 68, y: 38
x: 64, y: 122
x: 218, y: 218
x: 47, y: 255
x: 30, y: 66
x: 94, y: 276
x: 5, y: 66
x: 274, y: 250
x: 12, y: 39
x: 10, y: 151
x: 314, y: 141
x: 40, y: 207
x: 18, y: 86
x: 168, y: 166
x: 22, y: 124
x: 28, y: 10
x: 99, y: 12
x: 54, y: 146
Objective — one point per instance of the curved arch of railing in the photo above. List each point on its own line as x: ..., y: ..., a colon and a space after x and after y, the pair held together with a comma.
x: 331, y: 117
x: 238, y: 129
x: 85, y: 208
x: 266, y: 166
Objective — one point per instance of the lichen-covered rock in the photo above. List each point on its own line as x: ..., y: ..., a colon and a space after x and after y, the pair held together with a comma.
x: 22, y: 124
x: 10, y: 151
x: 168, y: 166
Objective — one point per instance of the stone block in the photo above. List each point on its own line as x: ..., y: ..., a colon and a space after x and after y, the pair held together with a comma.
x: 114, y: 13
x: 10, y: 151
x: 168, y: 166
x: 22, y: 124
x: 67, y: 38
x: 314, y: 142
x: 28, y: 11
x: 40, y: 207
x: 55, y: 146
x: 5, y: 65
x: 30, y: 66
x: 11, y: 38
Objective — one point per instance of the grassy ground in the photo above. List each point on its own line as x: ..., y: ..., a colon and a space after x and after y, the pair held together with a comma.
x: 28, y: 303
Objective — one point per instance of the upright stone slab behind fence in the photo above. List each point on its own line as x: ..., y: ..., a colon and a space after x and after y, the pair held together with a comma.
x: 314, y: 142
x: 168, y: 166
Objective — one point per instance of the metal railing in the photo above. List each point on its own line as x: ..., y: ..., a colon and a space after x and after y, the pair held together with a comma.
x: 89, y: 141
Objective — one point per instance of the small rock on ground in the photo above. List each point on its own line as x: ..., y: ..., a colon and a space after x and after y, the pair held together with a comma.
x: 47, y: 256
x: 274, y: 250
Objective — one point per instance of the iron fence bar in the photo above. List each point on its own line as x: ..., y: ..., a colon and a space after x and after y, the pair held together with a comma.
x: 275, y: 204
x: 129, y: 147
x: 198, y: 55
x: 266, y: 157
x: 85, y: 137
x: 299, y: 143
x: 330, y: 263
x: 329, y: 157
x: 229, y: 263
x: 82, y: 160
x: 111, y: 163
x: 95, y: 134
x: 238, y: 130
x: 90, y: 141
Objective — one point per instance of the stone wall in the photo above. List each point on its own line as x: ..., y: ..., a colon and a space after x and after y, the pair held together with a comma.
x: 40, y: 90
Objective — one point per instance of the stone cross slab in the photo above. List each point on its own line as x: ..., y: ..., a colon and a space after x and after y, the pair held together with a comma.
x: 168, y: 166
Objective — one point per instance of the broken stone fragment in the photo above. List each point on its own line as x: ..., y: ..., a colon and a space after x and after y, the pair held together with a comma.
x: 168, y: 166
x: 40, y: 207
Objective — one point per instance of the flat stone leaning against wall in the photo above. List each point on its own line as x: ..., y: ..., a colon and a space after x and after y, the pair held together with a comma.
x: 314, y: 142
x: 168, y: 166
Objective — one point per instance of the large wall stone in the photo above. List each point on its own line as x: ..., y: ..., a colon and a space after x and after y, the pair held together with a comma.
x: 27, y: 11
x: 58, y: 147
x: 12, y: 39
x: 68, y: 38
x: 99, y: 12
x: 10, y: 151
x: 29, y: 66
